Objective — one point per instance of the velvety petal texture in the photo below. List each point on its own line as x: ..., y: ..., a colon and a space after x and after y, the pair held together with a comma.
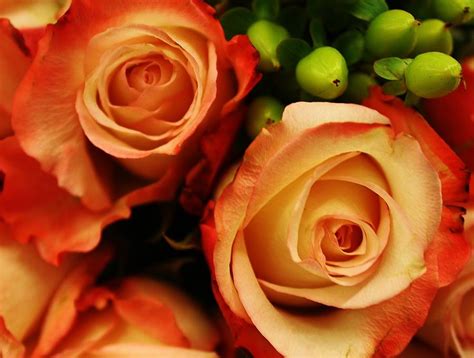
x: 338, y: 255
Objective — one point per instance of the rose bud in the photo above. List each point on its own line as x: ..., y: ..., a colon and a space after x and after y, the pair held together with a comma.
x: 321, y: 246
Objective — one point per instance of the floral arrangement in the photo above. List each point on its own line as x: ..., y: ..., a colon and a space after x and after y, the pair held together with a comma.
x: 234, y: 178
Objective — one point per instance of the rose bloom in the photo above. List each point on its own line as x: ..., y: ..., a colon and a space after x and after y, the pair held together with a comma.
x: 450, y: 324
x: 58, y: 311
x: 337, y: 231
x: 121, y: 106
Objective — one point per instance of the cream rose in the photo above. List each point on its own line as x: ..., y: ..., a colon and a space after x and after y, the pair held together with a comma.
x: 324, y: 242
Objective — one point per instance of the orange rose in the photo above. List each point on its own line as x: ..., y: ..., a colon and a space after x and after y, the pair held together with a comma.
x: 46, y: 311
x: 113, y: 110
x: 337, y: 231
x: 450, y: 323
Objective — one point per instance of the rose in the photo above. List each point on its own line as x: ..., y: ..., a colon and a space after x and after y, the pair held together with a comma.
x: 135, y: 87
x: 450, y: 323
x: 46, y: 310
x: 96, y: 168
x: 337, y: 231
x: 452, y: 116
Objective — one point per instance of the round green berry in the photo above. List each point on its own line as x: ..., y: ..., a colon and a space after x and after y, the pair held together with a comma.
x: 265, y: 36
x: 262, y: 111
x: 323, y: 73
x: 433, y: 74
x: 454, y: 11
x: 434, y: 35
x: 392, y: 33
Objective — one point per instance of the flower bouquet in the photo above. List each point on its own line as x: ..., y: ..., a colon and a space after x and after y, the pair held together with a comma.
x: 266, y: 178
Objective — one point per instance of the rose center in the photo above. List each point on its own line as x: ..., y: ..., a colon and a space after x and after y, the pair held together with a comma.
x: 349, y: 237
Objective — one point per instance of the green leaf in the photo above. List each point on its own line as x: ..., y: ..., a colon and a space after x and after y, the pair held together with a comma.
x: 294, y: 19
x: 291, y: 51
x: 395, y: 88
x: 237, y: 21
x: 351, y: 46
x: 411, y: 99
x: 317, y: 32
x: 368, y: 9
x: 266, y: 9
x: 391, y: 68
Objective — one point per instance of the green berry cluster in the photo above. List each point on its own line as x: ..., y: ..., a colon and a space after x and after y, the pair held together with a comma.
x: 319, y: 50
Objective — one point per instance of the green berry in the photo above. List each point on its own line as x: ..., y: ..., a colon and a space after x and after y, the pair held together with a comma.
x: 454, y: 11
x: 433, y: 74
x: 434, y: 35
x: 323, y: 73
x: 265, y: 36
x: 358, y: 87
x: 262, y: 111
x: 392, y: 33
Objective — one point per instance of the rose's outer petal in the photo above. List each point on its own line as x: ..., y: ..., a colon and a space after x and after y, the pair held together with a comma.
x: 45, y: 118
x: 36, y: 208
x: 244, y: 59
x: 245, y: 334
x: 14, y: 61
x: 453, y: 249
x: 33, y: 13
x: 26, y: 284
x: 62, y: 310
x: 215, y: 148
x: 32, y: 38
x: 178, y: 320
x: 10, y: 347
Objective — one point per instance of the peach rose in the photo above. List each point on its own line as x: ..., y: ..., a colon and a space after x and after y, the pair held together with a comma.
x: 450, y: 323
x: 115, y: 108
x: 47, y: 311
x: 337, y: 231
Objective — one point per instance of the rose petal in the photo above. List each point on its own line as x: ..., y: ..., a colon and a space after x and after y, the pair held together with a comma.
x: 9, y: 345
x: 24, y: 271
x: 37, y: 209
x: 14, y: 61
x: 62, y: 310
